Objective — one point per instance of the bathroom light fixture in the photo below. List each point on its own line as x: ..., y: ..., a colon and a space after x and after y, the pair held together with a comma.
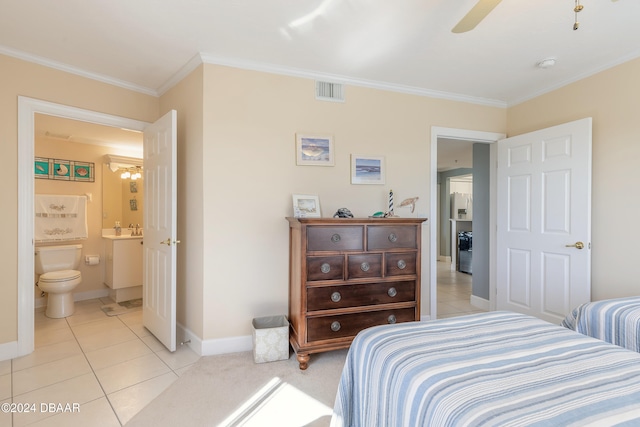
x: 133, y: 173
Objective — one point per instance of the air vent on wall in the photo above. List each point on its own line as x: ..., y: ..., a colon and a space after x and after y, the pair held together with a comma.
x: 326, y: 91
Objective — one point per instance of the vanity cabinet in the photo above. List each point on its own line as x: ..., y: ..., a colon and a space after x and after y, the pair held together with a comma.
x: 348, y: 274
x: 123, y: 267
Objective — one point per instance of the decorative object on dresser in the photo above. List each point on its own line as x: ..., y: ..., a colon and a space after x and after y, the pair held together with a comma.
x: 348, y: 274
x: 306, y: 206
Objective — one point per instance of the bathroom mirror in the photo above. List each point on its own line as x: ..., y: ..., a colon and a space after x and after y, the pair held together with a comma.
x: 122, y: 198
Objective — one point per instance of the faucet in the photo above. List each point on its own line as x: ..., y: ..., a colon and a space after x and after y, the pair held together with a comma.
x: 138, y: 230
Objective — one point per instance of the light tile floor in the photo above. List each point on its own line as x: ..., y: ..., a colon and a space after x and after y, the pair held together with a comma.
x: 110, y: 367
x: 454, y: 292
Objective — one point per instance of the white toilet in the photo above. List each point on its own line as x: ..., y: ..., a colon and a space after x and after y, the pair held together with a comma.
x: 57, y: 266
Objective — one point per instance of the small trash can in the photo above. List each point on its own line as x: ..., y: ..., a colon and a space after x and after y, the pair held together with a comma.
x: 270, y: 339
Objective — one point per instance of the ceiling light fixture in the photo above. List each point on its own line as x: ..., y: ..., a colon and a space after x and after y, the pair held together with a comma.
x: 546, y: 63
x: 577, y: 9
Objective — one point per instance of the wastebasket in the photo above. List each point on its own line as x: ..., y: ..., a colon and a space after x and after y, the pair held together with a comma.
x: 270, y: 339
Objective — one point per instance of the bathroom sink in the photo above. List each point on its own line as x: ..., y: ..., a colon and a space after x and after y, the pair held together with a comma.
x: 110, y: 233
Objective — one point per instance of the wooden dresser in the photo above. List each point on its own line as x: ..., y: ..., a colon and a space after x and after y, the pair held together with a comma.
x: 347, y: 274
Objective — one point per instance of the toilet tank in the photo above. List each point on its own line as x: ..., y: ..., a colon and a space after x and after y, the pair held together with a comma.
x: 56, y: 258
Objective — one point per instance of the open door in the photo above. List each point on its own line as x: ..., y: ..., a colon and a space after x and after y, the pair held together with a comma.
x: 160, y: 240
x: 544, y: 221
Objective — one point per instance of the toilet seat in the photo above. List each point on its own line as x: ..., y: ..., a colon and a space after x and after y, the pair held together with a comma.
x: 59, y: 276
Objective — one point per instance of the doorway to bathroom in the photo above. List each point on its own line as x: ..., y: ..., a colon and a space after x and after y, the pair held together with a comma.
x: 112, y: 197
x: 163, y: 135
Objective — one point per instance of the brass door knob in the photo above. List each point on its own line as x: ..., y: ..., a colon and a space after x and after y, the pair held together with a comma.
x: 577, y: 245
x: 168, y: 242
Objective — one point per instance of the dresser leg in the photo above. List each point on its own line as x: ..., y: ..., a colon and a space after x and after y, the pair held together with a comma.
x: 303, y: 360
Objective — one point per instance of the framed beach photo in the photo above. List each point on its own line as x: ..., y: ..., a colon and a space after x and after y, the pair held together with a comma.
x: 314, y: 150
x: 367, y: 169
x: 306, y: 206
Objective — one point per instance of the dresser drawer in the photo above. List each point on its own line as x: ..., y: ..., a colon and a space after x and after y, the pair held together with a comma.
x: 390, y: 237
x: 332, y: 297
x: 399, y: 263
x: 349, y: 238
x: 364, y: 266
x: 325, y: 268
x: 348, y: 325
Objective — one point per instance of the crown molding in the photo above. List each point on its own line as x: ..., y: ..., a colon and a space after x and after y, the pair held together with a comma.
x: 295, y: 72
x: 77, y: 71
x: 584, y: 75
x: 183, y: 72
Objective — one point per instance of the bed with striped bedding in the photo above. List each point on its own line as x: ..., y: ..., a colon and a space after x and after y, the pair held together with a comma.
x: 488, y: 369
x: 614, y: 320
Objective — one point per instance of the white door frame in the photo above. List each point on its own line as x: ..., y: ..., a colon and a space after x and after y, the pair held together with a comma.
x: 469, y: 135
x: 27, y: 108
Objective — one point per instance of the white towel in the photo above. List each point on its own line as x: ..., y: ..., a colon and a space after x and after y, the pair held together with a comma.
x: 60, y: 217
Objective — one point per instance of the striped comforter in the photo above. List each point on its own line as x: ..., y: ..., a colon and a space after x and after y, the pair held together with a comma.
x: 615, y: 320
x: 489, y: 369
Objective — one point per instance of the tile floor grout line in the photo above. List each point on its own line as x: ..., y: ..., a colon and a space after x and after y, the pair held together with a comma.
x: 104, y: 393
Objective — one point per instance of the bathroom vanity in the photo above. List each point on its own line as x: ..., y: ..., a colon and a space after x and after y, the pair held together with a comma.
x: 123, y: 266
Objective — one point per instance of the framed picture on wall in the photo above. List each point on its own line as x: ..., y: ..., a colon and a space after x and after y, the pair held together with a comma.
x: 367, y: 169
x: 314, y: 150
x: 306, y: 206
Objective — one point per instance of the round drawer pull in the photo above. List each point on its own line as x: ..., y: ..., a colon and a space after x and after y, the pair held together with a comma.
x: 391, y: 319
x: 335, y: 326
x: 392, y: 292
x: 402, y: 264
x: 325, y: 268
x: 335, y: 297
x: 364, y: 266
x: 393, y: 237
x: 335, y: 238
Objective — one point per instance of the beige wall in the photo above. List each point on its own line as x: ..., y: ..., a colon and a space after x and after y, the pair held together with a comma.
x: 20, y: 78
x: 248, y: 159
x: 193, y: 175
x: 612, y: 98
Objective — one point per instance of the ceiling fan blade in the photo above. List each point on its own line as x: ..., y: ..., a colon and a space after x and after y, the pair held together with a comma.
x: 475, y: 15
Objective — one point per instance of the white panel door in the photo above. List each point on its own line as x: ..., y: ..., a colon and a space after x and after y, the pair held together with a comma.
x: 544, y: 221
x: 159, y: 281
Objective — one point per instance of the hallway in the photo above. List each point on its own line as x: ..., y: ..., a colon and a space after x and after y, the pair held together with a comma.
x: 454, y: 292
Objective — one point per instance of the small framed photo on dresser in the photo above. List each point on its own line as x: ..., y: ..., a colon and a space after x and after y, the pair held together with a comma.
x: 306, y: 206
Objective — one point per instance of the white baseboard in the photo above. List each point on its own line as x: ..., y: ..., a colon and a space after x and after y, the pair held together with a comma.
x: 481, y: 303
x: 184, y: 336
x: 444, y: 258
x: 227, y: 345
x: 8, y: 350
x: 213, y: 346
x: 40, y: 302
x: 81, y: 296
